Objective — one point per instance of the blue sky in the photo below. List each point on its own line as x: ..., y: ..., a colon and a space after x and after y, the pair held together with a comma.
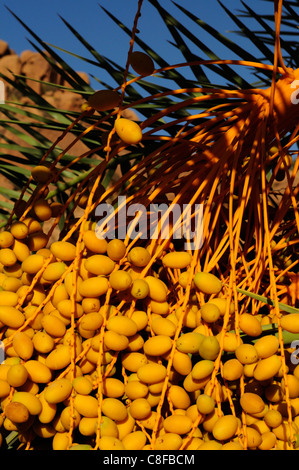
x: 94, y: 25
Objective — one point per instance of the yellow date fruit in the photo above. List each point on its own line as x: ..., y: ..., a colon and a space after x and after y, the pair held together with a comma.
x: 58, y: 391
x: 177, y: 259
x: 128, y: 131
x: 225, y: 427
x: 207, y: 283
x: 114, y: 409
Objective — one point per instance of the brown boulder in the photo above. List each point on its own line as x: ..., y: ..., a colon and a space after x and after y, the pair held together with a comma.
x: 10, y: 63
x: 35, y: 67
x: 4, y: 49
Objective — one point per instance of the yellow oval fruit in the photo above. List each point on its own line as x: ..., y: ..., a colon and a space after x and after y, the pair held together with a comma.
x: 182, y: 363
x: 266, y: 346
x: 100, y: 265
x: 33, y: 263
x: 11, y: 317
x: 32, y: 403
x: 177, y: 260
x: 59, y: 358
x: 290, y: 322
x: 169, y: 441
x: 161, y: 308
x: 54, y: 271
x: 134, y: 389
x: 189, y: 342
x: 139, y: 289
x: 151, y: 373
x: 41, y: 173
x: 123, y: 325
x: 104, y: 100
x: 48, y: 411
x: 151, y: 421
x: 251, y: 403
x: 4, y: 388
x: 191, y: 385
x: 268, y: 441
x: 110, y: 443
x: 207, y: 283
x: 8, y: 298
x: 21, y: 250
x: 222, y: 304
x: 38, y: 372
x: 125, y: 426
x: 86, y: 405
x: 141, y: 63
x: 139, y: 256
x: 67, y: 421
x: 61, y: 441
x: 254, y: 438
x: 114, y: 409
x: 53, y: 326
x: 17, y: 375
x: 140, y: 408
x: 94, y: 286
x: 225, y: 427
x: 120, y: 280
x: 179, y: 397
x: 87, y: 426
x: 292, y: 385
x: 232, y: 369
x: 128, y: 131
x: 92, y: 321
x: 59, y: 294
x: 157, y: 345
x: 246, y: 353
x: 42, y: 342
x: 82, y: 385
x: 90, y: 305
x: 66, y: 308
x: 132, y: 361
x: 205, y: 404
x: 210, y: 312
x: 23, y: 345
x: 267, y: 368
x: 202, y: 369
x: 178, y: 424
x: 64, y: 251
x: 37, y: 240
x: 115, y: 341
x: 116, y: 249
x: 93, y: 243
x: 163, y: 326
x: 135, y: 440
x: 19, y: 230
x: 273, y: 418
x: 140, y: 318
x: 250, y: 325
x: 157, y: 290
x: 58, y: 391
x: 32, y: 224
x: 6, y: 239
x: 42, y: 209
x: 209, y: 348
x: 17, y: 412
x: 7, y: 257
x: 113, y: 387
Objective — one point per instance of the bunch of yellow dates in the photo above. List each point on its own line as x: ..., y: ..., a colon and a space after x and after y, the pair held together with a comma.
x: 110, y: 358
